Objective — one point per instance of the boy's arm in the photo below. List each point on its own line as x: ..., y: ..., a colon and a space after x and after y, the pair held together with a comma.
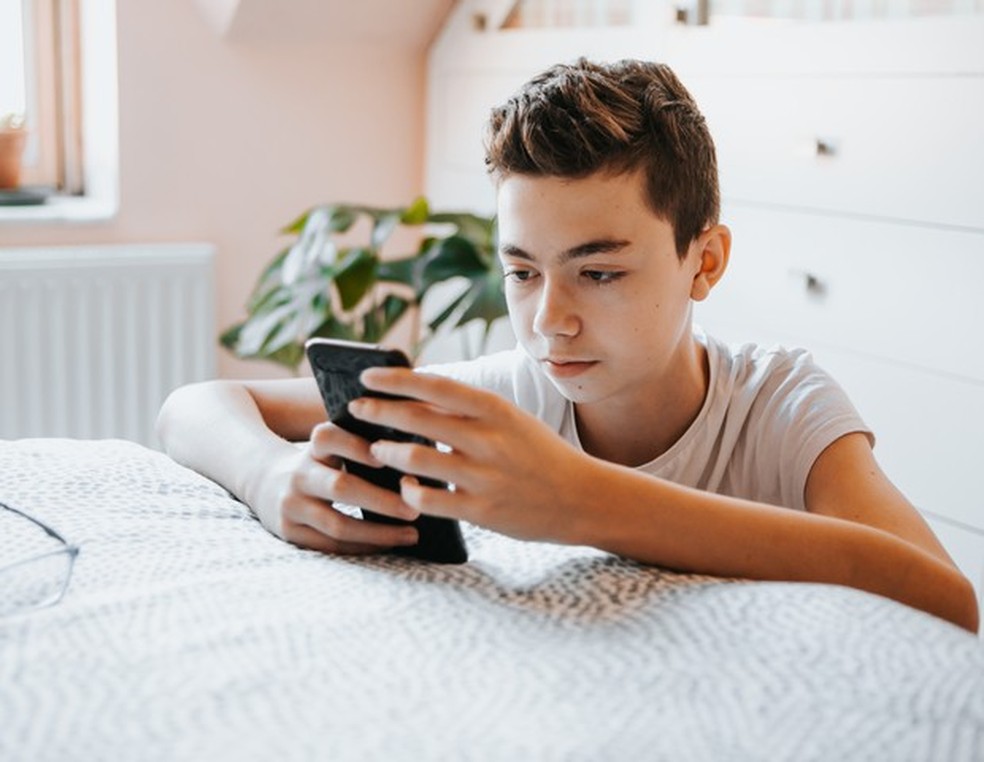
x: 862, y: 535
x: 242, y: 435
x: 846, y: 482
x: 229, y: 430
x: 514, y: 475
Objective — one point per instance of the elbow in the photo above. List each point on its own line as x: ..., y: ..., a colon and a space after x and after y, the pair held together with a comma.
x: 938, y: 587
x: 173, y: 415
x: 951, y: 596
x: 966, y: 607
x: 164, y: 425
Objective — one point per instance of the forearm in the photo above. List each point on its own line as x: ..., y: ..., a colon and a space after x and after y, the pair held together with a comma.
x: 516, y: 476
x: 217, y: 429
x: 658, y: 522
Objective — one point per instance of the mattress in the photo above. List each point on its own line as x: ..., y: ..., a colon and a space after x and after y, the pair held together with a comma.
x: 189, y: 632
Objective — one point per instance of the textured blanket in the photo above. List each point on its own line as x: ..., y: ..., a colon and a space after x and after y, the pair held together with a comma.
x: 190, y: 633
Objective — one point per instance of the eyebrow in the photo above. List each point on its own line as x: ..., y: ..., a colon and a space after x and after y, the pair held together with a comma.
x: 599, y: 246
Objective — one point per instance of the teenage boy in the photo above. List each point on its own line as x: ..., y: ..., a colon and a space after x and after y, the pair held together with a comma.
x: 613, y: 424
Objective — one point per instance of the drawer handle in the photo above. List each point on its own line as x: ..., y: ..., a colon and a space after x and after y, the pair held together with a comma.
x: 696, y: 12
x: 815, y: 286
x: 825, y: 147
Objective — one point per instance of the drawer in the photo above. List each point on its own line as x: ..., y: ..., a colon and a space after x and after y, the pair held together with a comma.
x: 904, y: 148
x: 905, y: 293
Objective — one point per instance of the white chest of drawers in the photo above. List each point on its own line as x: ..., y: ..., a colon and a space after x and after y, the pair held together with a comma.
x: 852, y: 184
x: 852, y: 165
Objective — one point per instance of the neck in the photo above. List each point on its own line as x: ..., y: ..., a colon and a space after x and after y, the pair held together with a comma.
x: 635, y: 430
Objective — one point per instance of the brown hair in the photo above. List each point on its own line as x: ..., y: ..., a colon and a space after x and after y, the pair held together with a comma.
x: 577, y: 119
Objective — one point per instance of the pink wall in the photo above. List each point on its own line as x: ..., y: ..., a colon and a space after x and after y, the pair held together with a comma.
x: 226, y: 141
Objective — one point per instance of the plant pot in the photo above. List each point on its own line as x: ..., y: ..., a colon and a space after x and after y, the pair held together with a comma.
x: 11, y: 150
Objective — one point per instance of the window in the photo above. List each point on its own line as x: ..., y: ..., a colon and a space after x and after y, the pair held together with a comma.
x: 40, y: 79
x: 12, y: 96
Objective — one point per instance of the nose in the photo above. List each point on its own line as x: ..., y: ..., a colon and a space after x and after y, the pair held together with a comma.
x: 556, y: 314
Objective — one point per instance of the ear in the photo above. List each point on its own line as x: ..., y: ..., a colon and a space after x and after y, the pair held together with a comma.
x: 710, y: 251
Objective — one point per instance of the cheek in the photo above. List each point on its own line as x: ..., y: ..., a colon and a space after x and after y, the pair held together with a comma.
x: 637, y: 309
x: 520, y: 317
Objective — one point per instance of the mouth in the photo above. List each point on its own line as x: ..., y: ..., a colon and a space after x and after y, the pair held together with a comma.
x: 564, y: 368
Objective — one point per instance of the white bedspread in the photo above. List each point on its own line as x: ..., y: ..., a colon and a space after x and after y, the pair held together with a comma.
x: 189, y: 633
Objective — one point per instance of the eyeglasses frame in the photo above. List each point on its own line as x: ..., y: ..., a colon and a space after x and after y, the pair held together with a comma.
x: 68, y: 548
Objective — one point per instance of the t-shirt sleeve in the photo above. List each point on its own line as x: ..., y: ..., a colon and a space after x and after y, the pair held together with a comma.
x: 799, y: 411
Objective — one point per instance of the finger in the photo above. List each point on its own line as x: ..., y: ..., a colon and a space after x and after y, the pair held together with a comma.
x: 329, y: 440
x: 446, y: 393
x: 334, y: 485
x: 305, y: 537
x: 338, y: 527
x: 419, y: 460
x: 311, y: 539
x: 415, y: 417
x: 432, y: 501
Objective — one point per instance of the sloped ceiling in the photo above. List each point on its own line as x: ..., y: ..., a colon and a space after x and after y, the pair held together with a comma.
x: 410, y: 24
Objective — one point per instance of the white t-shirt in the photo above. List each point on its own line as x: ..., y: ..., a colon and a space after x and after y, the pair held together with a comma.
x: 768, y: 415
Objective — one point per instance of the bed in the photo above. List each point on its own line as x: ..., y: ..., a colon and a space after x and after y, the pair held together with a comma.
x: 188, y: 632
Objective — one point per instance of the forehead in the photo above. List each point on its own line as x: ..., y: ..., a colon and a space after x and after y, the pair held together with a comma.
x: 623, y: 189
x: 557, y: 212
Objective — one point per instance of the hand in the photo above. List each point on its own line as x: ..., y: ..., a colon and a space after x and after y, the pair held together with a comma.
x: 511, y: 472
x: 294, y: 498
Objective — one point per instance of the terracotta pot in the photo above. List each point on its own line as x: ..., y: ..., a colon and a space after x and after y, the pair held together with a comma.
x: 11, y: 149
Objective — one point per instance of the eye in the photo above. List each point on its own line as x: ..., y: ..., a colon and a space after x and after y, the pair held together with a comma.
x: 603, y: 276
x: 518, y: 274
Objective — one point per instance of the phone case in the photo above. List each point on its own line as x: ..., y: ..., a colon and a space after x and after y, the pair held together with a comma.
x: 336, y: 366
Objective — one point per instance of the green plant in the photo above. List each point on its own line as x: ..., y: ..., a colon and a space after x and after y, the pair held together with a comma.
x: 315, y: 287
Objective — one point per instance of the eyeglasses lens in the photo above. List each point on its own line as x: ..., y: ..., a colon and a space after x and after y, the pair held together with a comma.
x: 34, y: 566
x: 39, y: 581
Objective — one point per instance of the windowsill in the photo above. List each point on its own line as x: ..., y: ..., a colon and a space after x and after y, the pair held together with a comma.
x: 61, y: 209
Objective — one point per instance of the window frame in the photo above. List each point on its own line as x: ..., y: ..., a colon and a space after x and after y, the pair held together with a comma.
x: 53, y: 157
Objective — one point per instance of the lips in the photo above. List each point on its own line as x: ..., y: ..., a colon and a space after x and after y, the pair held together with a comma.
x: 561, y: 367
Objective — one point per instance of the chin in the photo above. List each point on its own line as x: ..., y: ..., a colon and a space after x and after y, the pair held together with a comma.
x: 578, y: 392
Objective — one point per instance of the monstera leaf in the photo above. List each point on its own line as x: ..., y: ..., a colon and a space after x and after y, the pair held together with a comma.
x: 315, y: 287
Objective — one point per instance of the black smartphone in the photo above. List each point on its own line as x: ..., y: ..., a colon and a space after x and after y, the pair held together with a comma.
x: 337, y: 365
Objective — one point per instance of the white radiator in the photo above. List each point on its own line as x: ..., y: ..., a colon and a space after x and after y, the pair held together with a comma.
x: 93, y: 338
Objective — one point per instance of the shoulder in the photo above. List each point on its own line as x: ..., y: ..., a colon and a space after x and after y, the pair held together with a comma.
x: 755, y: 374
x: 751, y: 363
x: 776, y: 384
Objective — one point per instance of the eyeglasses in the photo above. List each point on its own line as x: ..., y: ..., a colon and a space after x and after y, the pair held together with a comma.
x: 39, y: 577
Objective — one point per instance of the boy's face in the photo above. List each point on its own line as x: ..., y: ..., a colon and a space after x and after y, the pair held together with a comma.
x: 596, y: 291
